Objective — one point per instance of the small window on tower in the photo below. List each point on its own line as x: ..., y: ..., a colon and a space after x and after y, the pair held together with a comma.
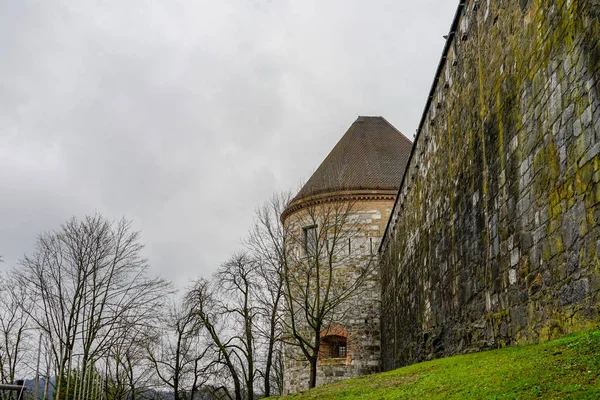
x: 310, y: 240
x: 333, y: 346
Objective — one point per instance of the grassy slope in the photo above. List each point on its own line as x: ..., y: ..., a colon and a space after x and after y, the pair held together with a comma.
x: 563, y: 368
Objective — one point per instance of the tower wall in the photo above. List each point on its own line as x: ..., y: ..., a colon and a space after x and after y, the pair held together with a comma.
x: 495, y: 235
x: 361, y: 312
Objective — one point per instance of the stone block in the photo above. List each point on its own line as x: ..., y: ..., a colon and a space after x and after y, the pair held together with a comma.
x: 574, y: 292
x: 586, y: 117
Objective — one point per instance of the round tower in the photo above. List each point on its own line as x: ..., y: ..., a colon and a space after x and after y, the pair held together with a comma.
x: 355, y: 187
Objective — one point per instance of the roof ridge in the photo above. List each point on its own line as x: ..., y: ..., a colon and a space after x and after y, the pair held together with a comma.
x: 384, y: 120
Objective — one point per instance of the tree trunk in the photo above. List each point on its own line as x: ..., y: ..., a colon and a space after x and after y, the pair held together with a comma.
x: 268, y: 370
x: 272, y: 335
x: 250, y: 355
x: 237, y: 386
x: 313, y: 373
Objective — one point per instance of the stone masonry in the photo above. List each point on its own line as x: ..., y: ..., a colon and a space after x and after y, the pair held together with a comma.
x: 495, y: 235
x: 360, y: 313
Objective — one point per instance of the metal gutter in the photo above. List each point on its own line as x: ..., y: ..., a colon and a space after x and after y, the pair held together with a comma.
x: 434, y: 85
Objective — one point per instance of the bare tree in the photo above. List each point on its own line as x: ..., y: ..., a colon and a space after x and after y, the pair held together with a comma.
x: 14, y: 329
x: 239, y: 311
x: 319, y: 270
x: 86, y: 280
x: 267, y: 246
x: 203, y: 299
x: 126, y: 373
x: 278, y: 368
x: 239, y: 280
x: 178, y: 355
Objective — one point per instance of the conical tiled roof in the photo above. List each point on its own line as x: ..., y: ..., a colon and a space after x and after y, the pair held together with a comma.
x: 372, y: 155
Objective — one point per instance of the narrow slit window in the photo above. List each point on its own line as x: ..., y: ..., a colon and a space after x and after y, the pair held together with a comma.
x: 310, y: 240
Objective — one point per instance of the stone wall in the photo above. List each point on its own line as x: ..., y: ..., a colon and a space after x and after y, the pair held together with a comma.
x: 360, y: 314
x: 495, y: 235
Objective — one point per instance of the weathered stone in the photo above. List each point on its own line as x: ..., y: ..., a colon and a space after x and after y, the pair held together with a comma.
x: 518, y: 318
x: 548, y: 279
x: 514, y: 257
x: 586, y: 117
x: 593, y: 152
x: 512, y: 276
x: 526, y: 241
x: 573, y: 262
x: 571, y: 221
x: 574, y: 292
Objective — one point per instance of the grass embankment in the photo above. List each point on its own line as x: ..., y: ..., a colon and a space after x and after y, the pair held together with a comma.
x: 563, y: 368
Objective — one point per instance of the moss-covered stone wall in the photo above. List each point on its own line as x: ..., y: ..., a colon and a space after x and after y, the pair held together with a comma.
x: 495, y: 236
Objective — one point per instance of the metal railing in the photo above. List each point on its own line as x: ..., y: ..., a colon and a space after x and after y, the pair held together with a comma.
x: 18, y: 387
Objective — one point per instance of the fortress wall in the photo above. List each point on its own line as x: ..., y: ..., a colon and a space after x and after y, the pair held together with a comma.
x: 495, y: 235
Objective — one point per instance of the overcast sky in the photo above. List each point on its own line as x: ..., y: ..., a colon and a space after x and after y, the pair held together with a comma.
x: 186, y: 115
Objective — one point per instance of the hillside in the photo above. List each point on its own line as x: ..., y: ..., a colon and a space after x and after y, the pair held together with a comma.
x: 563, y: 368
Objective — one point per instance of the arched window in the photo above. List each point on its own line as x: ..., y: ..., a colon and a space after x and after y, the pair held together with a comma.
x: 334, y: 344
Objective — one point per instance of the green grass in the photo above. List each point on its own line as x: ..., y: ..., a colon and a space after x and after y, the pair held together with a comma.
x: 564, y: 368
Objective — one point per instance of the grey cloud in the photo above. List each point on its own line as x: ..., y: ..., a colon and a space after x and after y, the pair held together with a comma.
x: 186, y: 115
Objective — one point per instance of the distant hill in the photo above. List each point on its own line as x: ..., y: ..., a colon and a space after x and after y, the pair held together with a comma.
x: 563, y: 368
x: 30, y: 385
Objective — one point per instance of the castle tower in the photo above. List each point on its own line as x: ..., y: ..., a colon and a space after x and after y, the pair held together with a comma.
x: 359, y: 179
